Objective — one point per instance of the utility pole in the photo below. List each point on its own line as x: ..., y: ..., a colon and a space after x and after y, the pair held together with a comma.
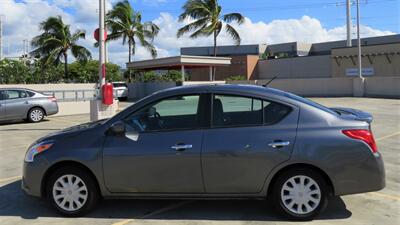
x: 348, y: 20
x: 102, y: 66
x: 1, y: 37
x: 359, y: 41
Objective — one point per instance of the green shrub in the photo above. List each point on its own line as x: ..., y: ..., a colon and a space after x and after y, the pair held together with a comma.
x: 237, y: 77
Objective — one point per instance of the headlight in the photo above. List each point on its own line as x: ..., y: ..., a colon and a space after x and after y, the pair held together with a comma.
x: 36, y: 149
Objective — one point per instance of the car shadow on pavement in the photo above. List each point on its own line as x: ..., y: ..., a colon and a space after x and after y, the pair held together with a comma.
x: 14, y: 122
x: 15, y: 203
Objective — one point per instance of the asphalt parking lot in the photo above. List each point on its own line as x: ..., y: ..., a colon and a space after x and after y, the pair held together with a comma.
x: 381, y: 207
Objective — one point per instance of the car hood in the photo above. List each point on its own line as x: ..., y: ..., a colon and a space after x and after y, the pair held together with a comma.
x: 354, y: 114
x: 72, y: 131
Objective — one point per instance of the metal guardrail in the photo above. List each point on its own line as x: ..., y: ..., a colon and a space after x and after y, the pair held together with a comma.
x: 74, y: 95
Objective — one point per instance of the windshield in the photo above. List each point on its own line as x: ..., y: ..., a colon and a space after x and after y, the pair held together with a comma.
x: 311, y: 103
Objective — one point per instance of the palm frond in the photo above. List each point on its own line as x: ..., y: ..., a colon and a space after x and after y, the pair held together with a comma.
x: 236, y: 17
x: 233, y: 34
x: 81, y: 53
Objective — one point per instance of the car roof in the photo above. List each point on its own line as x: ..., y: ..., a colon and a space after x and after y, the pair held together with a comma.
x: 17, y: 88
x: 240, y: 88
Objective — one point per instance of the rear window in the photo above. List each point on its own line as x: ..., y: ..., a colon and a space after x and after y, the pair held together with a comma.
x: 311, y: 103
x: 119, y: 85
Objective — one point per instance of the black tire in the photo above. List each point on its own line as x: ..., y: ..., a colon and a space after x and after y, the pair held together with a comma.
x: 123, y: 98
x: 34, y: 113
x: 279, y: 205
x: 93, y: 195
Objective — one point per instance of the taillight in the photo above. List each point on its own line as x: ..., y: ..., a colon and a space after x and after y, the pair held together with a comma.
x: 363, y: 135
x: 53, y: 99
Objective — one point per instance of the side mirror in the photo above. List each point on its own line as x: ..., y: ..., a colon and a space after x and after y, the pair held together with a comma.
x: 117, y: 129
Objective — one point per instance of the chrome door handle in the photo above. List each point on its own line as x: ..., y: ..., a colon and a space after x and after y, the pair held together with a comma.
x: 279, y: 144
x: 181, y: 147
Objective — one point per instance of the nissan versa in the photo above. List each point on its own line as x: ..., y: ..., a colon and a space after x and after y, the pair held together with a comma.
x: 210, y: 141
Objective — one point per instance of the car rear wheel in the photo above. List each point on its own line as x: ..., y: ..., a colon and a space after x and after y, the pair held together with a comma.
x: 300, y: 194
x: 73, y: 192
x: 35, y: 115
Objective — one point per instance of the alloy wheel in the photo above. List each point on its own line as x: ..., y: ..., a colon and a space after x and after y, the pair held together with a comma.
x: 36, y: 115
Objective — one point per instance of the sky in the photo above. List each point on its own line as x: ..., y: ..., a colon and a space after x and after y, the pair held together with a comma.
x: 267, y: 21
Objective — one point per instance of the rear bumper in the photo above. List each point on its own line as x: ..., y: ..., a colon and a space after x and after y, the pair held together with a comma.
x: 51, y: 109
x: 367, y: 177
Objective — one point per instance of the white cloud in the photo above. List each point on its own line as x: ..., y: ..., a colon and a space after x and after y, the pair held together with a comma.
x: 22, y: 20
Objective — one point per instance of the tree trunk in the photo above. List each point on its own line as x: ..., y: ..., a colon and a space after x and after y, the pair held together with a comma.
x: 66, y: 66
x: 214, y: 75
x: 130, y: 60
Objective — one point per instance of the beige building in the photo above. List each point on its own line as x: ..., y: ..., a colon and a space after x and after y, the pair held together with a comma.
x: 380, y: 58
x: 377, y: 60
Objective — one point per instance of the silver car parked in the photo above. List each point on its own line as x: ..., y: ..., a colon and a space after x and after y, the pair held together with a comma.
x: 211, y: 141
x: 19, y: 103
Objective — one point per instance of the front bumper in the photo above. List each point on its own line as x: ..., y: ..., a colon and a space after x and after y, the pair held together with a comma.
x: 32, y: 176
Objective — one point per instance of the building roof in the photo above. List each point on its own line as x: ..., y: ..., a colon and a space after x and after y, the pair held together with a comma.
x: 255, y: 49
x: 176, y: 62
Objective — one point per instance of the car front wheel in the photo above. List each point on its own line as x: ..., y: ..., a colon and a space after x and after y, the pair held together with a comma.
x: 73, y: 192
x: 300, y: 194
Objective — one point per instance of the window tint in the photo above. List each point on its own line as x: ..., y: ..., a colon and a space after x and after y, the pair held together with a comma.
x: 274, y: 112
x: 168, y: 114
x: 13, y: 94
x: 236, y: 111
x: 3, y: 95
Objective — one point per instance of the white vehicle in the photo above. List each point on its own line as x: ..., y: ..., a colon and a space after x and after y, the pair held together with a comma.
x: 120, y: 90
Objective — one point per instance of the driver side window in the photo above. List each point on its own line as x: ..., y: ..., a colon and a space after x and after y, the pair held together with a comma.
x: 180, y: 112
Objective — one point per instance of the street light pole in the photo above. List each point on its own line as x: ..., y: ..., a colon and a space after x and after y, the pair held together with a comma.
x: 348, y: 22
x: 102, y: 65
x: 359, y: 40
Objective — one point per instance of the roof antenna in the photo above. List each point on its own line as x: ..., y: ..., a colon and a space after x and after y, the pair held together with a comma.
x: 266, y: 84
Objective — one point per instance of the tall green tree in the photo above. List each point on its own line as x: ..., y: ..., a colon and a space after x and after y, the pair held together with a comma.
x: 126, y: 24
x: 208, y: 21
x: 56, y: 41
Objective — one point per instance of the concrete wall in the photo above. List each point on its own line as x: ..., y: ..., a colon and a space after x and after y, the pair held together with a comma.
x: 140, y: 90
x: 297, y: 67
x: 388, y: 87
x: 51, y: 87
x: 382, y: 87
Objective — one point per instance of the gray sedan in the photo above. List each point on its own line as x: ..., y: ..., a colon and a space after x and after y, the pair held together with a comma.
x: 20, y: 103
x: 211, y: 141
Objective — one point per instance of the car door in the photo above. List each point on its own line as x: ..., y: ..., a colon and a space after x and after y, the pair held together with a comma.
x: 3, y: 97
x: 160, y: 151
x: 17, y: 104
x: 249, y: 137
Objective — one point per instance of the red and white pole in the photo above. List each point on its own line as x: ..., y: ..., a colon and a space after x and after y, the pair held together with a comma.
x: 102, y: 49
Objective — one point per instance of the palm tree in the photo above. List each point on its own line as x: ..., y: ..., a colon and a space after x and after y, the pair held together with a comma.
x: 208, y: 20
x: 56, y: 41
x: 126, y: 23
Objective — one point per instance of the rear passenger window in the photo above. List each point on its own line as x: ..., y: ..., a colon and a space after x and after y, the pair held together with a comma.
x: 274, y: 112
x: 236, y: 111
x: 31, y: 94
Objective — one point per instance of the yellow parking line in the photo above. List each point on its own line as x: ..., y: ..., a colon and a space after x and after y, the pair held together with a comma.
x: 388, y: 196
x: 9, y: 179
x: 388, y: 136
x: 159, y: 211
